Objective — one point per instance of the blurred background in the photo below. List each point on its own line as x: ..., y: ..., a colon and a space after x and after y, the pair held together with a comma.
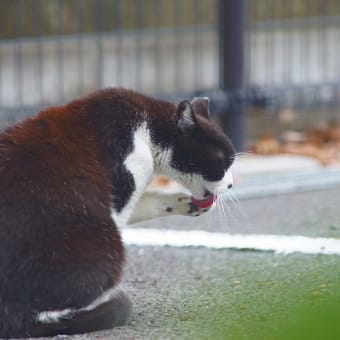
x: 271, y: 68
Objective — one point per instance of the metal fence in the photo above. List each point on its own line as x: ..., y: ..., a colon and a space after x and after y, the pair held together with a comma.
x: 54, y: 50
x: 163, y: 53
x: 296, y: 52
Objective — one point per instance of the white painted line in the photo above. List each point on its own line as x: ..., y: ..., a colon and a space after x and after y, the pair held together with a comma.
x: 197, y: 238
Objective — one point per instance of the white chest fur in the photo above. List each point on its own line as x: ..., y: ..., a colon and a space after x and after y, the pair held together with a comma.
x: 140, y: 164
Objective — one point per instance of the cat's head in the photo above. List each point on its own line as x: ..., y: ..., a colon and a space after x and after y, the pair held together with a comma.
x: 202, y: 154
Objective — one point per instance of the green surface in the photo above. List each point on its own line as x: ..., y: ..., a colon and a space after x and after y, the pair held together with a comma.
x: 281, y: 297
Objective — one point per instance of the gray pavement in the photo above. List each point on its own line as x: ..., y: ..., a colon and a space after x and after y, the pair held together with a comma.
x: 204, y: 294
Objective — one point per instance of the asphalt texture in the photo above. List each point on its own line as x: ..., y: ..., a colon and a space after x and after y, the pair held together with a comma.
x: 198, y: 293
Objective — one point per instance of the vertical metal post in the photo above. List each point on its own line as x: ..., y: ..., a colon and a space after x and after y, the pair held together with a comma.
x: 39, y: 53
x: 231, y: 41
x: 98, y: 19
x: 60, y: 51
x: 80, y: 47
x: 18, y: 51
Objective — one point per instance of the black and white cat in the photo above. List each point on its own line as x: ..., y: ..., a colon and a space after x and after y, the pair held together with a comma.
x: 69, y: 178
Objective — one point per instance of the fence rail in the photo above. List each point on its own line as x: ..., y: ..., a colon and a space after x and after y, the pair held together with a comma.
x: 54, y: 69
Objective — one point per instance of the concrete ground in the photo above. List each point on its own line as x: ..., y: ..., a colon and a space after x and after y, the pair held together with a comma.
x: 200, y: 293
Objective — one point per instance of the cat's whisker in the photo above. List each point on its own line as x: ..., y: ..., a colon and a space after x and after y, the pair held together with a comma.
x: 238, y: 205
x: 224, y: 208
x: 242, y: 154
x: 227, y: 199
x: 216, y: 210
x: 224, y: 213
x: 232, y: 197
x: 225, y: 205
x: 220, y: 210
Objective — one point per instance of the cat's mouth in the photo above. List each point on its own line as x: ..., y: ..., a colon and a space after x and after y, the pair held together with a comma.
x: 206, y: 202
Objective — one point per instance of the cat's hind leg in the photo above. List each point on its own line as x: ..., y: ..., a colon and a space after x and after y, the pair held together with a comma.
x: 106, y: 315
x: 110, y: 309
x: 71, y: 285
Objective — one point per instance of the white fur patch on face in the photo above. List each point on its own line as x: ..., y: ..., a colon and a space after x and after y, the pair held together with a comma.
x: 229, y: 178
x: 141, y: 165
x: 163, y: 167
x: 226, y: 183
x: 195, y: 183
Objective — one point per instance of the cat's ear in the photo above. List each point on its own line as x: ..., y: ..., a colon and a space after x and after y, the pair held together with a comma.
x: 200, y: 106
x: 185, y: 115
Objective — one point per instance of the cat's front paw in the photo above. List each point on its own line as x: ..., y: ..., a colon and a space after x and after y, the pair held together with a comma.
x: 156, y: 204
x: 180, y: 204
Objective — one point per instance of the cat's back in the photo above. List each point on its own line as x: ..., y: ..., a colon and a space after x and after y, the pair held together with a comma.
x: 60, y: 162
x: 50, y: 168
